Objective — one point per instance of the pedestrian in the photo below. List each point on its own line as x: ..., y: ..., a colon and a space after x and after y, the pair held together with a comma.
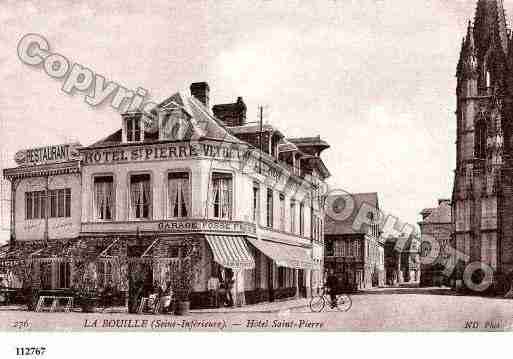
x: 332, y: 285
x: 213, y: 288
x: 229, y: 287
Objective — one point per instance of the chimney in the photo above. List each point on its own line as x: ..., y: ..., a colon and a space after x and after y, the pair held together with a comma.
x: 242, y: 111
x: 444, y: 201
x: 201, y: 91
x: 232, y: 114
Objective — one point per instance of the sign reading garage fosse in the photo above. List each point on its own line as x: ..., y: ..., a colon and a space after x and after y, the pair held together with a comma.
x: 48, y: 154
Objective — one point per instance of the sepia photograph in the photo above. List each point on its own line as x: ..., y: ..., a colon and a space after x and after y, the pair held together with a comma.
x: 255, y: 166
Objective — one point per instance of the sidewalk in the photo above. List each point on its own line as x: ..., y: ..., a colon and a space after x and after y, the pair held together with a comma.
x: 259, y: 308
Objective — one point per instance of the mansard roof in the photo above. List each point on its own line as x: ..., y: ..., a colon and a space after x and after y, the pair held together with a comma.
x: 203, y: 123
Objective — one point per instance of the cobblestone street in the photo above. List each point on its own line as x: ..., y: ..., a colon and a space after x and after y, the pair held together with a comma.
x: 382, y: 309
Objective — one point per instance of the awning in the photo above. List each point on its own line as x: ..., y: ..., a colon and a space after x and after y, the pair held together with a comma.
x: 231, y: 252
x: 285, y: 255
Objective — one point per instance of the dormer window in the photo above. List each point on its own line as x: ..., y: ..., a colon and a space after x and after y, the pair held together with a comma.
x: 133, y: 129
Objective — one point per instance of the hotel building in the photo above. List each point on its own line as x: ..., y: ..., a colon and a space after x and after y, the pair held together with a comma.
x: 248, y: 197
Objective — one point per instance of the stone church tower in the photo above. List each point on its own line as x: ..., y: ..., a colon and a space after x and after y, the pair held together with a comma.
x: 482, y: 199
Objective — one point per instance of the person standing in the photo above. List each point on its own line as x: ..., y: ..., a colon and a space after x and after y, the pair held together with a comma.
x: 229, y: 287
x: 332, y: 285
x: 213, y: 288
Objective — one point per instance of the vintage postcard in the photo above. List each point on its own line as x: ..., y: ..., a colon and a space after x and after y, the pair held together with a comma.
x: 259, y: 165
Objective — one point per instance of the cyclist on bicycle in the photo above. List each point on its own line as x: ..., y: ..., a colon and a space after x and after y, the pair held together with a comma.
x: 332, y: 286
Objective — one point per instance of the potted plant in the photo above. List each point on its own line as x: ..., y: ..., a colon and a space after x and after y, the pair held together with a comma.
x: 24, y: 271
x: 185, y: 276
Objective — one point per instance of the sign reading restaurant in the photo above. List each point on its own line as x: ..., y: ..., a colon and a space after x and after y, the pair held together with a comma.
x: 47, y: 154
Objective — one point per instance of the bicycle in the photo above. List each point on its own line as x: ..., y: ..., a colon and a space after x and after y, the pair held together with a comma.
x: 318, y: 303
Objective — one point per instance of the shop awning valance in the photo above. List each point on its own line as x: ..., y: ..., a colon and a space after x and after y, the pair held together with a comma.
x: 285, y: 255
x: 231, y: 252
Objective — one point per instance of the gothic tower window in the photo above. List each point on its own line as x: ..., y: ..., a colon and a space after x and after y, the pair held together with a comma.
x: 480, y: 139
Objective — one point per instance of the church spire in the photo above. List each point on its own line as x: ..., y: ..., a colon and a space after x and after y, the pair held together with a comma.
x: 490, y: 23
x: 467, y: 65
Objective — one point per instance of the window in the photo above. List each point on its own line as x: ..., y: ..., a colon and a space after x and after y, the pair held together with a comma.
x: 53, y: 203
x: 60, y: 202
x: 282, y: 212
x: 480, y: 141
x: 270, y: 211
x: 104, y: 197
x: 179, y: 195
x: 140, y: 196
x: 104, y: 274
x: 256, y: 202
x: 133, y: 129
x: 174, y: 252
x: 301, y: 219
x: 35, y: 205
x: 64, y: 274
x: 292, y: 216
x: 222, y: 195
x: 329, y: 247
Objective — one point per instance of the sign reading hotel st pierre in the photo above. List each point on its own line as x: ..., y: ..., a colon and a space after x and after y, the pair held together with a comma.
x: 165, y: 152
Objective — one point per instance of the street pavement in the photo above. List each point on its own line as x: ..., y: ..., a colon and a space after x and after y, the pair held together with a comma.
x: 390, y: 309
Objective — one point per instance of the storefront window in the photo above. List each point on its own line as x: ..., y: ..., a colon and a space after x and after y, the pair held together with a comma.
x: 178, y: 195
x: 281, y: 277
x: 64, y: 274
x: 140, y: 196
x: 104, y: 273
x: 104, y: 197
x: 222, y: 195
x: 270, y: 209
x: 329, y: 247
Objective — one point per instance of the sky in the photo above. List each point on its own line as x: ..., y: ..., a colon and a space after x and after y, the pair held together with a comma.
x: 374, y: 78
